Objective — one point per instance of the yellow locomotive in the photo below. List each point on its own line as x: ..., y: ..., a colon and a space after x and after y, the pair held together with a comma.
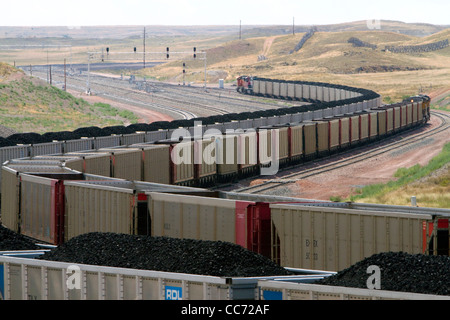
x: 426, y: 102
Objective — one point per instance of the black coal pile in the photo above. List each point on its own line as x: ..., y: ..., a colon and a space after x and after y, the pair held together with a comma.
x: 399, y: 272
x: 26, y: 138
x: 89, y: 132
x: 4, y: 142
x: 141, y: 127
x: 11, y: 241
x: 214, y: 258
x: 107, y: 131
x: 60, y: 136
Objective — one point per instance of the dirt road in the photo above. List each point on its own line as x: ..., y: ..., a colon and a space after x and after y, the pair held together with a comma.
x: 267, y: 45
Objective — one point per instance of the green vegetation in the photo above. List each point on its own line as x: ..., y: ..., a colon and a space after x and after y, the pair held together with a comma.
x: 31, y: 105
x: 388, y: 100
x: 107, y: 110
x: 336, y: 199
x: 432, y: 191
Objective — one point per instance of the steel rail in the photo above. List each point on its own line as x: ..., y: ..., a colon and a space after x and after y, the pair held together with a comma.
x: 382, y: 149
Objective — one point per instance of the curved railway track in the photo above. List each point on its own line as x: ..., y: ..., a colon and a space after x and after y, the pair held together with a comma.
x: 225, y: 97
x: 120, y: 94
x: 178, y: 101
x: 194, y: 94
x: 349, y: 160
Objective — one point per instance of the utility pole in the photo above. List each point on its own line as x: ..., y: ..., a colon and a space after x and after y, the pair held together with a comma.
x: 144, y: 47
x: 47, y: 66
x: 65, y: 78
x: 205, y: 70
x: 184, y: 73
x: 240, y: 29
x: 88, y: 86
x: 293, y: 26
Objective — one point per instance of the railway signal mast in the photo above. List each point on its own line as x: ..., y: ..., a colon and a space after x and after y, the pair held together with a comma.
x: 157, y: 56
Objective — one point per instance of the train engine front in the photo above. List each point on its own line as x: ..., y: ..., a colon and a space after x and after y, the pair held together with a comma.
x: 426, y: 104
x: 245, y: 84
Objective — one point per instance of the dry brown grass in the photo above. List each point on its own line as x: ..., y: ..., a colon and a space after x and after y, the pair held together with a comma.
x: 328, y: 57
x: 6, y: 71
x: 431, y: 192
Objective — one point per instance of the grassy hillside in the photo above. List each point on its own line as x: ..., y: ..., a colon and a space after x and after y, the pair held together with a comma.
x: 430, y: 184
x: 31, y: 105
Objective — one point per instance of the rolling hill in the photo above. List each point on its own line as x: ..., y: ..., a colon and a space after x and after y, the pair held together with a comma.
x: 266, y: 51
x: 327, y: 57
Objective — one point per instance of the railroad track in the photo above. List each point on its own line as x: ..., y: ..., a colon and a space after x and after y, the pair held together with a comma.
x: 214, y: 102
x: 181, y: 94
x: 144, y: 99
x: 180, y: 102
x: 228, y: 97
x: 352, y: 158
x: 119, y: 94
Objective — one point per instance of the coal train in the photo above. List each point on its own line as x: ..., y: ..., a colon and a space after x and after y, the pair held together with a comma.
x: 335, y: 118
x: 201, y: 156
x: 56, y: 190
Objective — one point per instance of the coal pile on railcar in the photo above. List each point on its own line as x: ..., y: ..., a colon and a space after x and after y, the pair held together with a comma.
x: 107, y: 131
x: 88, y: 132
x: 134, y: 127
x: 12, y: 241
x: 4, y: 142
x: 213, y: 258
x: 60, y: 136
x: 415, y: 273
x: 26, y: 138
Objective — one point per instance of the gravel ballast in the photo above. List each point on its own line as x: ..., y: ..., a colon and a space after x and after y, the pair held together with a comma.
x: 213, y: 258
x: 399, y: 271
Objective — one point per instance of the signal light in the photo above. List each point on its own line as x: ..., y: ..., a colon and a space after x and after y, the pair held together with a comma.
x: 167, y: 55
x: 135, y: 49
